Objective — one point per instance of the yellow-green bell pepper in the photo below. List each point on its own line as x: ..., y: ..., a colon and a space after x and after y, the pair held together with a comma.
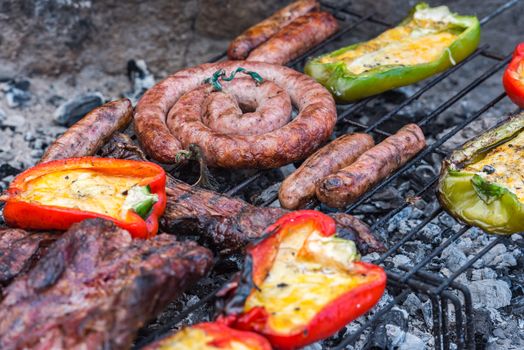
x: 482, y: 183
x: 428, y: 41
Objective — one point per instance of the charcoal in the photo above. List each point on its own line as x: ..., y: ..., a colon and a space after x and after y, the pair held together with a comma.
x: 74, y: 109
x: 14, y: 121
x: 140, y: 77
x: 454, y: 258
x: 17, y: 92
x: 490, y: 293
x: 390, y: 332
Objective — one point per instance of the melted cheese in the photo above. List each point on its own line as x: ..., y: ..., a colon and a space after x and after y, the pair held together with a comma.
x: 194, y: 338
x: 86, y: 190
x: 415, y: 43
x: 508, y: 162
x: 297, y: 288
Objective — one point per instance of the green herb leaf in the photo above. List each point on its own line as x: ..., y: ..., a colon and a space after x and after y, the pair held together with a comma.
x: 487, y: 191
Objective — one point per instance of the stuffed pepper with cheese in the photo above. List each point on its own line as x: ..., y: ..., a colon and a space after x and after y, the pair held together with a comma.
x: 428, y: 41
x: 301, y: 283
x: 56, y: 194
x: 211, y: 336
x: 513, y: 78
x: 482, y: 183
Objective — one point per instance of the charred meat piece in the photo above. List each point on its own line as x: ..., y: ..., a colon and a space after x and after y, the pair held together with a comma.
x: 19, y: 250
x: 96, y: 287
x: 228, y: 224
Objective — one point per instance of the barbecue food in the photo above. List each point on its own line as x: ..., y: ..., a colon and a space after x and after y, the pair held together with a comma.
x: 301, y: 284
x: 96, y: 287
x: 513, y: 78
x: 19, y: 250
x: 228, y: 224
x: 299, y: 188
x: 211, y: 336
x: 225, y: 223
x: 56, y: 194
x: 347, y: 185
x: 182, y: 97
x: 296, y: 38
x: 481, y: 182
x: 241, y: 46
x: 88, y: 135
x: 428, y: 41
x: 224, y: 115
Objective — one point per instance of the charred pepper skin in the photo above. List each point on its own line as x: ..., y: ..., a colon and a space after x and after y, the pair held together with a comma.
x: 458, y: 190
x: 221, y: 338
x: 333, y: 316
x: 513, y: 78
x: 348, y: 87
x: 27, y: 215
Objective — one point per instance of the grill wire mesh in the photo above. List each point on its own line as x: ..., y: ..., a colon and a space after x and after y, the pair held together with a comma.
x: 451, y: 330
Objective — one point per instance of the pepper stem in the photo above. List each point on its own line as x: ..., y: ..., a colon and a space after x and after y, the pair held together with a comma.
x: 140, y: 200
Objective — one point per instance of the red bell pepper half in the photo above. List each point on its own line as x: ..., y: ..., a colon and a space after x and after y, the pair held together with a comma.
x: 56, y: 194
x: 513, y: 78
x: 301, y: 284
x: 210, y: 336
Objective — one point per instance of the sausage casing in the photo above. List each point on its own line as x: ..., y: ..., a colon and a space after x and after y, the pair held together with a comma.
x: 296, y: 38
x: 254, y: 36
x: 91, y: 132
x: 299, y: 188
x: 347, y: 185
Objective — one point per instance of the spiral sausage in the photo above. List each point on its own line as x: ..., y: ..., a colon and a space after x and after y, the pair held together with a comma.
x: 182, y: 98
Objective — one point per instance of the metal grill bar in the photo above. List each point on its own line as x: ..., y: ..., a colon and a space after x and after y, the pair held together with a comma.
x: 441, y: 291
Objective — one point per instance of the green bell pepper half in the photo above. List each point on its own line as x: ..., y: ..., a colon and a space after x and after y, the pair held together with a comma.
x: 470, y: 197
x: 347, y: 86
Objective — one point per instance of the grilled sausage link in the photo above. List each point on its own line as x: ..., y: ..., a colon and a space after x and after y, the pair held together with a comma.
x: 90, y: 133
x: 296, y: 38
x: 299, y: 188
x: 240, y: 47
x: 348, y: 184
x: 296, y: 140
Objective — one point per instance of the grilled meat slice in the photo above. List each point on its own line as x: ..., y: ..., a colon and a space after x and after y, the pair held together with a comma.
x: 96, y: 287
x: 19, y: 250
x: 227, y: 224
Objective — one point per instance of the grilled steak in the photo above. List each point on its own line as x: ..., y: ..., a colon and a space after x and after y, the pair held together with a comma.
x: 19, y: 250
x: 96, y: 287
x: 225, y: 223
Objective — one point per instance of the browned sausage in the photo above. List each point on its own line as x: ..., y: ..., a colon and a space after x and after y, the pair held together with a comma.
x: 299, y: 187
x: 294, y: 141
x: 296, y: 38
x: 270, y: 104
x: 261, y: 32
x: 91, y: 132
x: 348, y: 184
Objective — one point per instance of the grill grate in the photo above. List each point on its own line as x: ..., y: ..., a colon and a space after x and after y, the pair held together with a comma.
x: 445, y: 293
